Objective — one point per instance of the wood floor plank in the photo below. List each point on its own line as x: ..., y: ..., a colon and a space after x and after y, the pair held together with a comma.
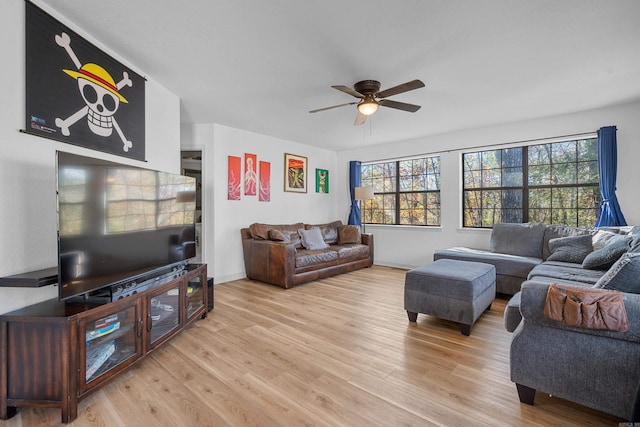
x: 335, y: 352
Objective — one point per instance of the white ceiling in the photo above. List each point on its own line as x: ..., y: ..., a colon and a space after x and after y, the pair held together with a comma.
x: 261, y: 65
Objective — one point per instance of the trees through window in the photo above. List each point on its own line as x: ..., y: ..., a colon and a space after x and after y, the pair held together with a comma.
x: 406, y: 192
x: 552, y: 183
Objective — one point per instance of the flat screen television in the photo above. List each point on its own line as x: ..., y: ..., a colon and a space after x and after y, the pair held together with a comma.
x: 118, y: 222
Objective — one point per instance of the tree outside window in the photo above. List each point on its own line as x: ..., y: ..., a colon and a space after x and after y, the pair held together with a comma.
x: 406, y: 192
x: 553, y: 183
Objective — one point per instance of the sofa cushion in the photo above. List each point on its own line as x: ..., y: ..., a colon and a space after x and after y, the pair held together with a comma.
x: 570, y: 249
x: 508, y: 265
x: 349, y: 234
x: 261, y: 231
x: 285, y: 236
x: 329, y: 231
x: 554, y: 231
x: 351, y: 251
x: 518, y: 239
x: 563, y: 271
x: 624, y: 275
x: 550, y: 280
x: 602, y: 259
x: 306, y: 258
x: 312, y: 239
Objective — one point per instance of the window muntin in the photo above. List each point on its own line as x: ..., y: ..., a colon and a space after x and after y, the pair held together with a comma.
x: 406, y: 192
x: 550, y: 183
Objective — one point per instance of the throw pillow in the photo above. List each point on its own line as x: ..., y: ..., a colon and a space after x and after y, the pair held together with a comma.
x: 635, y: 243
x: 604, y: 258
x: 312, y: 239
x: 603, y: 238
x: 554, y: 231
x: 624, y: 275
x: 348, y: 234
x: 570, y: 249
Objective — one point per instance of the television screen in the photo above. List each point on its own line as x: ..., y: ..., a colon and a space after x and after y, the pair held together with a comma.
x: 118, y: 222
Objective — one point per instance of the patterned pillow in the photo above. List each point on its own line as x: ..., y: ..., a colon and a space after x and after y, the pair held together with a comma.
x: 312, y: 239
x: 624, y: 275
x: 604, y: 258
x: 635, y: 243
x: 602, y: 238
x: 570, y: 249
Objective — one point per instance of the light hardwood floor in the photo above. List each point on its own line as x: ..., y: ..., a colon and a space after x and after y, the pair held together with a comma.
x: 335, y: 352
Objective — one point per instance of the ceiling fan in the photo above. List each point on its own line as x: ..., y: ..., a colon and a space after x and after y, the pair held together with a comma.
x: 371, y: 97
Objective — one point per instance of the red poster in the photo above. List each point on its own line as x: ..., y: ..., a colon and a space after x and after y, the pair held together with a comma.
x: 235, y: 178
x: 250, y: 176
x: 265, y: 182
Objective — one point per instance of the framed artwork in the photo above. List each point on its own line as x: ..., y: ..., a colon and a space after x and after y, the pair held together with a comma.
x: 77, y: 94
x: 234, y: 174
x: 295, y: 173
x: 322, y: 181
x: 265, y: 182
x: 250, y: 175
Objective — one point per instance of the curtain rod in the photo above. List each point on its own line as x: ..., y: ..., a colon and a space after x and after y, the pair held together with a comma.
x: 502, y: 144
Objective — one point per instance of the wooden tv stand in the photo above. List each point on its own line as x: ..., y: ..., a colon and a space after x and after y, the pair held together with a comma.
x: 54, y: 354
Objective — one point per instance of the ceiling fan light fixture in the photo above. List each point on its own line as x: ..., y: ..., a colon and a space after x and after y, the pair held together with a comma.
x: 368, y: 106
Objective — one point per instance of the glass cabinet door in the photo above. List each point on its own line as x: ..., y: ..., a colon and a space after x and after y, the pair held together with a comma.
x: 195, y: 293
x: 163, y: 312
x: 109, y: 341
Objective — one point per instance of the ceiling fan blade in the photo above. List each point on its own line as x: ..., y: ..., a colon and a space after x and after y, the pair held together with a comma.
x: 404, y: 87
x: 350, y: 91
x: 333, y: 106
x: 399, y: 105
x: 360, y: 119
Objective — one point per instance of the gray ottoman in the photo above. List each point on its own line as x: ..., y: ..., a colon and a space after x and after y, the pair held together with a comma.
x: 454, y: 290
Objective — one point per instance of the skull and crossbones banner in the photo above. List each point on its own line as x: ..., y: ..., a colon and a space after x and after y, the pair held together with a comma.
x: 78, y: 94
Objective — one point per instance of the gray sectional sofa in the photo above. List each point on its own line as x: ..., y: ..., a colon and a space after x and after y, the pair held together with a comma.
x: 599, y: 369
x: 517, y: 249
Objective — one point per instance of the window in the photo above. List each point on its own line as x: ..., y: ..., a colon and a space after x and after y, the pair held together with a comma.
x: 553, y: 183
x: 406, y: 192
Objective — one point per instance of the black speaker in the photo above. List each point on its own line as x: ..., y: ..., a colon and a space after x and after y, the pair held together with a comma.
x: 210, y: 293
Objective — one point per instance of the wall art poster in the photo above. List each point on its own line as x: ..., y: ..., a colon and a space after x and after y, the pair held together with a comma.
x: 77, y: 94
x: 265, y: 182
x: 322, y: 181
x: 250, y: 175
x: 295, y: 173
x: 234, y: 178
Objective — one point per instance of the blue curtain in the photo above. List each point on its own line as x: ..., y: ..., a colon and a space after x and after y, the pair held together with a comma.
x: 610, y: 212
x: 355, y: 217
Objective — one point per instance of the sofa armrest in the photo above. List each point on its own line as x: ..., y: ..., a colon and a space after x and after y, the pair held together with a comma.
x: 269, y: 261
x: 532, y: 303
x: 367, y: 239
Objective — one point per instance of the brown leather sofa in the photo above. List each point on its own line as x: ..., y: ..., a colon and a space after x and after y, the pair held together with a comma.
x: 274, y: 253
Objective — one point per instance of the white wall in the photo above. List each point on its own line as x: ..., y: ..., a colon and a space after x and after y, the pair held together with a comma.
x: 413, y: 246
x: 27, y: 174
x: 223, y: 247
